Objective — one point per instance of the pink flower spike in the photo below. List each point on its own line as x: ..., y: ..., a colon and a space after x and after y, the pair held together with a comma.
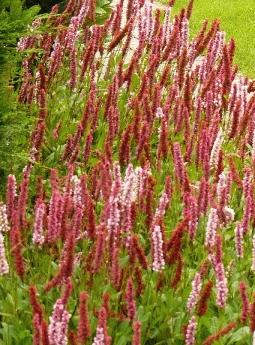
x: 239, y: 240
x: 4, y: 224
x: 194, y: 295
x: 253, y: 254
x: 212, y: 225
x: 38, y: 237
x: 215, y: 152
x: 191, y: 331
x: 4, y: 267
x: 179, y: 167
x: 158, y: 255
x: 58, y: 324
x: 221, y: 285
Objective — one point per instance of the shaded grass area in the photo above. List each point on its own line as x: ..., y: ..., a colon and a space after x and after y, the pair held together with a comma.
x: 237, y: 18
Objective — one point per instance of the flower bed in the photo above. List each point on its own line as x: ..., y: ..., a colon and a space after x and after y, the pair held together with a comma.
x: 133, y: 220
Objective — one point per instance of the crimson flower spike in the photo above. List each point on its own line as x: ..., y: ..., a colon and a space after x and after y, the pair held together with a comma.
x: 126, y: 46
x: 84, y: 331
x: 72, y: 338
x: 115, y: 268
x: 99, y: 250
x: 130, y: 300
x: 44, y: 333
x: 231, y: 49
x: 106, y: 304
x: 203, y: 197
x: 136, y: 340
x: 204, y: 297
x: 92, y: 11
x: 87, y: 147
x: 36, y: 327
x: 124, y: 149
x: 116, y: 24
x: 36, y: 306
x: 149, y: 202
x: 189, y: 9
x: 11, y: 191
x: 66, y: 264
x: 139, y: 252
x: 182, y: 62
x: 163, y: 142
x: 101, y: 331
x: 73, y: 68
x: 23, y: 195
x: 223, y: 331
x: 16, y: 245
x: 226, y: 75
x: 39, y: 189
x: 252, y: 315
x: 245, y: 302
x: 121, y: 35
x: 178, y: 272
x: 235, y: 120
x: 179, y: 167
x: 211, y: 33
x: 139, y: 282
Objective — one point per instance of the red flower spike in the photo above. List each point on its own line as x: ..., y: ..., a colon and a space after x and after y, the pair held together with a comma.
x: 44, y: 333
x: 130, y: 300
x: 178, y: 272
x: 23, y: 196
x: 204, y: 297
x: 99, y: 251
x: 72, y: 338
x: 37, y: 308
x: 139, y: 253
x: 245, y: 302
x: 67, y: 291
x: 106, y: 304
x: 252, y: 316
x: 121, y: 35
x: 84, y: 331
x: 189, y: 9
x: 223, y: 331
x: 66, y: 263
x: 136, y: 340
x: 36, y: 327
x: 10, y: 195
x: 139, y: 282
x: 16, y: 245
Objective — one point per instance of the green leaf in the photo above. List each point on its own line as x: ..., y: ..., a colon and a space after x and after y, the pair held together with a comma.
x: 15, y: 9
x: 100, y: 10
x: 240, y: 335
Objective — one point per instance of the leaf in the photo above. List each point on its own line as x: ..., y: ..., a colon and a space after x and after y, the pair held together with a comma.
x: 241, y: 334
x: 100, y: 10
x: 123, y: 340
x: 124, y: 261
x: 15, y: 9
x: 32, y: 11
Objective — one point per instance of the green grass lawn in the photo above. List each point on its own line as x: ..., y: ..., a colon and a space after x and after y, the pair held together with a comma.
x: 237, y: 18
